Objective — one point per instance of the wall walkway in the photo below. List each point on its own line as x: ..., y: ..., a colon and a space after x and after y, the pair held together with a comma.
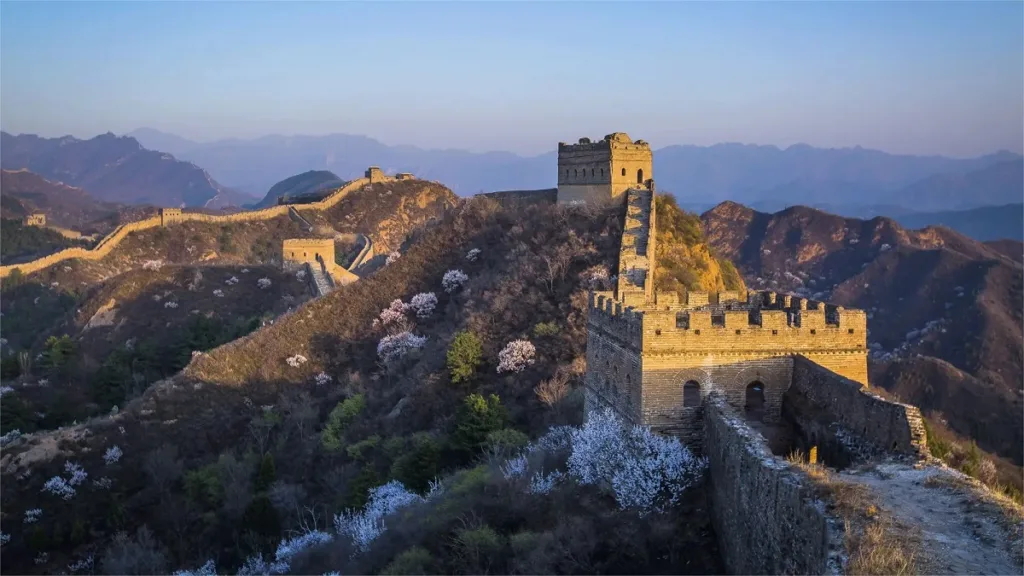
x: 114, y: 238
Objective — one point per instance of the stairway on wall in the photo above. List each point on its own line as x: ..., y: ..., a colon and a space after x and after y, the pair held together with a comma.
x: 321, y: 283
x: 294, y: 214
x: 634, y: 261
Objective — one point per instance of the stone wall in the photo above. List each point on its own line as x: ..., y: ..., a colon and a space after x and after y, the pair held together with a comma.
x: 870, y: 422
x: 170, y: 216
x: 764, y: 511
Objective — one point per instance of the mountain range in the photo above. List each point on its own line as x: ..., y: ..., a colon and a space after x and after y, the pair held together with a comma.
x: 116, y: 169
x: 750, y: 174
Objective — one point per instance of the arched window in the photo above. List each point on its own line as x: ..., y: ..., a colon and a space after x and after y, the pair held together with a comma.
x: 602, y: 172
x: 691, y: 394
x: 623, y: 171
x: 615, y: 389
x: 575, y: 173
x: 640, y: 176
x: 754, y: 405
x: 591, y: 172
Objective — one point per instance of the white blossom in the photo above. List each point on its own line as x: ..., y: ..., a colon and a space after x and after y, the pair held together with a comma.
x: 77, y: 473
x: 645, y: 470
x: 152, y: 264
x: 170, y: 304
x: 208, y: 569
x: 423, y: 304
x: 3, y: 341
x: 544, y: 483
x: 364, y: 526
x: 42, y: 558
x: 392, y: 257
x: 59, y: 487
x: 10, y: 437
x: 32, y: 516
x: 6, y: 390
x: 263, y: 283
x: 300, y: 275
x: 103, y: 483
x: 392, y: 318
x: 514, y: 467
x: 516, y: 356
x: 453, y: 280
x: 112, y: 455
x: 84, y: 565
x: 233, y: 280
x: 394, y: 346
x: 473, y: 254
x: 244, y: 271
x: 218, y: 293
x: 43, y: 382
x: 884, y: 248
x: 322, y: 379
x: 4, y: 538
x: 296, y: 361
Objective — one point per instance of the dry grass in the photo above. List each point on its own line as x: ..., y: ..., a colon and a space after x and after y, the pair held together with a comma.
x: 875, y: 543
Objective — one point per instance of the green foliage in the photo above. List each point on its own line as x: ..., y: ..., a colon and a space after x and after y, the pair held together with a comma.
x: 680, y: 224
x: 468, y: 481
x: 341, y: 416
x: 464, y: 356
x: 10, y: 368
x: 730, y: 276
x: 266, y: 474
x: 477, y: 548
x: 542, y: 329
x: 16, y: 414
x: 477, y: 417
x: 359, y: 450
x: 507, y: 439
x: 359, y: 488
x: 415, y: 560
x: 58, y: 352
x: 203, y: 486
x: 417, y: 467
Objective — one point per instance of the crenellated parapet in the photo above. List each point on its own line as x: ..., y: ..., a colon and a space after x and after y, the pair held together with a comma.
x: 596, y: 172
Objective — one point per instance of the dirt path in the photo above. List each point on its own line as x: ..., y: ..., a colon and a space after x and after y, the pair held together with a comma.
x: 962, y: 530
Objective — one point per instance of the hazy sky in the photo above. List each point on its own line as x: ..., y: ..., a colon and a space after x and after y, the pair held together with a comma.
x: 911, y: 77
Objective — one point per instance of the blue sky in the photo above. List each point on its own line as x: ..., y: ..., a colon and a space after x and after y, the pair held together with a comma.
x: 905, y: 77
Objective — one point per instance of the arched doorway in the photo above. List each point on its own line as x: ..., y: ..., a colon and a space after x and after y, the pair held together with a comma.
x: 754, y: 404
x: 691, y: 394
x: 640, y: 176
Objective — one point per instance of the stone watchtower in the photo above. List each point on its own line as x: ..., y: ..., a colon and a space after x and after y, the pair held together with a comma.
x: 595, y: 172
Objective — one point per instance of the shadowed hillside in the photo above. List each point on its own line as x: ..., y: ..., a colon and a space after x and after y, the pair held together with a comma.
x: 299, y: 185
x: 24, y: 193
x: 930, y: 292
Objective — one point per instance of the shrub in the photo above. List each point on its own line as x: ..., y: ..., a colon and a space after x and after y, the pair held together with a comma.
x: 453, y: 280
x: 516, y: 356
x: 358, y: 450
x: 415, y: 560
x: 464, y: 356
x: 203, y: 486
x: 507, y: 439
x: 423, y: 304
x: 542, y: 329
x: 394, y: 347
x: 477, y: 417
x: 417, y: 467
x: 266, y: 474
x: 341, y: 416
x: 139, y: 555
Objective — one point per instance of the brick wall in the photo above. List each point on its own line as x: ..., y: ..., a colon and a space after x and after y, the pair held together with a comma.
x: 765, y: 515
x: 878, y: 424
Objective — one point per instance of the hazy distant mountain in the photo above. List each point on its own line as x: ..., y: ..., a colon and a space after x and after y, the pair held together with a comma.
x: 23, y: 192
x: 306, y: 183
x: 116, y: 169
x: 1000, y: 183
x: 751, y: 174
x: 985, y: 223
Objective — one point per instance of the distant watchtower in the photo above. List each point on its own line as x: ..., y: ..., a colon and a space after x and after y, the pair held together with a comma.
x: 35, y: 219
x: 595, y: 172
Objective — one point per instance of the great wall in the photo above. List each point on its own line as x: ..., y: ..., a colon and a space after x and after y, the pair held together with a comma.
x: 171, y: 216
x: 748, y: 380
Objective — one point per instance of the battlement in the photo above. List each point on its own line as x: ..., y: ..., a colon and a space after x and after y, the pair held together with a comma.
x: 722, y: 322
x: 614, y: 141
